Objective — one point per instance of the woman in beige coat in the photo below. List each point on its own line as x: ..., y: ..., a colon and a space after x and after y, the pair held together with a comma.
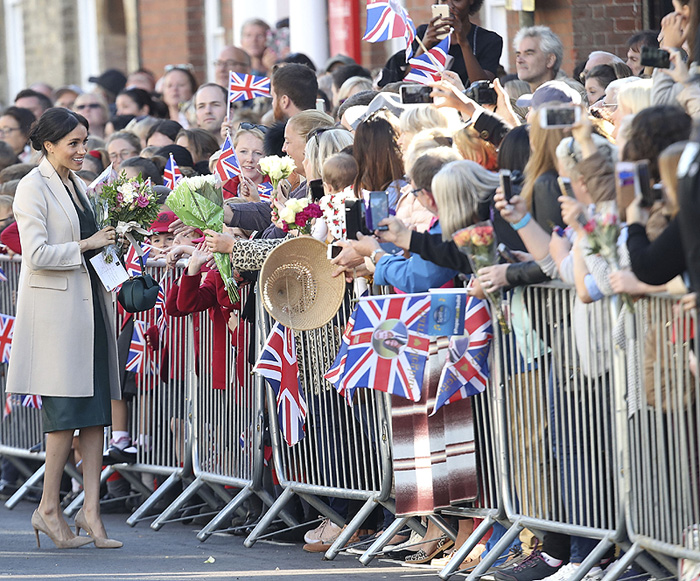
x: 64, y: 346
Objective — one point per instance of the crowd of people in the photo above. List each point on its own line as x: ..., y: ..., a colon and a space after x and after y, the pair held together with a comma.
x: 347, y: 128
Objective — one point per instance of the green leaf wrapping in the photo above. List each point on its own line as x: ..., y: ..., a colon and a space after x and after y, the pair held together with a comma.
x: 197, y: 211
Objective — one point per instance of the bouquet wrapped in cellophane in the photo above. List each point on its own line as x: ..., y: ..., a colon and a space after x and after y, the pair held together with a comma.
x: 198, y: 202
x: 478, y: 243
x: 129, y: 204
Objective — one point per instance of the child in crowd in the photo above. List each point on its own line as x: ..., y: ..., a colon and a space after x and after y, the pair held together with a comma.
x: 162, y: 240
x: 339, y: 173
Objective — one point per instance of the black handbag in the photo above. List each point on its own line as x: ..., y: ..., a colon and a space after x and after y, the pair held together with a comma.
x: 139, y: 293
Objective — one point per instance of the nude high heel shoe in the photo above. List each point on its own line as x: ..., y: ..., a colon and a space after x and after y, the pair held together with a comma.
x: 39, y: 524
x: 100, y: 542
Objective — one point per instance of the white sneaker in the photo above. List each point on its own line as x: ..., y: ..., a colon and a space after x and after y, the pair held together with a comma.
x: 563, y: 573
x: 325, y: 533
x: 595, y: 574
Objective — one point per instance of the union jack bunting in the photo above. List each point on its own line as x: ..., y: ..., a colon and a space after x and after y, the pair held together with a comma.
x: 7, y: 327
x: 31, y: 401
x: 423, y: 69
x: 137, y: 348
x: 131, y: 262
x: 387, y: 19
x: 171, y: 173
x: 227, y: 166
x: 265, y: 191
x: 278, y: 364
x: 389, y: 345
x: 466, y: 370
x: 244, y: 87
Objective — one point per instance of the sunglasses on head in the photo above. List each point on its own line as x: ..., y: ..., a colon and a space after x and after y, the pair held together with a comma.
x: 248, y: 126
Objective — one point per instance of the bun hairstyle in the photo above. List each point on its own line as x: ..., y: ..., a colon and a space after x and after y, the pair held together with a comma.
x: 54, y: 125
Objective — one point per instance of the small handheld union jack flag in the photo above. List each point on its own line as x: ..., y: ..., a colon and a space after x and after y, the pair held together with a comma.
x: 3, y: 276
x: 424, y: 69
x: 387, y: 19
x: 137, y: 349
x: 227, y: 166
x: 466, y: 370
x: 244, y: 87
x: 265, y: 191
x: 278, y: 364
x: 131, y: 262
x: 31, y: 401
x: 7, y: 327
x: 171, y: 173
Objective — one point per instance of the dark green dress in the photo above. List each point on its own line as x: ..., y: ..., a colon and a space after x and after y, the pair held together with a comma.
x: 71, y: 413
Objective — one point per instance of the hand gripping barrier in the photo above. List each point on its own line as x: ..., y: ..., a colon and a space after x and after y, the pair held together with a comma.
x: 345, y: 453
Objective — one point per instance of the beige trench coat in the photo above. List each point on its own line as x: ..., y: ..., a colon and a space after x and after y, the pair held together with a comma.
x: 52, y: 344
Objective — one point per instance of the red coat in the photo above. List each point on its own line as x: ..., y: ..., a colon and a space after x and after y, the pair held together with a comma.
x: 211, y: 294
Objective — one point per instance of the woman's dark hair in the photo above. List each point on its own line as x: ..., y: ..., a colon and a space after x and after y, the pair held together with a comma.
x: 54, y: 125
x: 119, y: 122
x: 604, y: 74
x: 146, y: 167
x: 167, y: 127
x: 182, y: 157
x: 514, y: 150
x: 24, y: 117
x: 299, y: 58
x: 652, y: 130
x: 475, y: 7
x: 140, y: 97
x: 201, y: 143
x: 274, y: 139
x: 377, y: 154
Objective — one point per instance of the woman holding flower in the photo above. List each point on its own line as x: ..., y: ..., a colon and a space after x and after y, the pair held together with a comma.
x: 64, y: 347
x: 248, y: 144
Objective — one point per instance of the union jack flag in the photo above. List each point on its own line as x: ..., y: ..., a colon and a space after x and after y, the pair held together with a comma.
x: 244, y: 87
x: 131, y: 262
x: 3, y: 276
x: 7, y: 328
x: 466, y: 370
x: 265, y: 191
x: 171, y: 173
x: 278, y: 364
x: 137, y: 349
x: 7, y: 410
x: 423, y: 68
x: 389, y: 345
x: 387, y: 19
x: 336, y: 372
x: 31, y: 401
x: 161, y: 319
x: 227, y: 166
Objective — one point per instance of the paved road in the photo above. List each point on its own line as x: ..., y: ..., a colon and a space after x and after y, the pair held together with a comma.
x: 171, y: 554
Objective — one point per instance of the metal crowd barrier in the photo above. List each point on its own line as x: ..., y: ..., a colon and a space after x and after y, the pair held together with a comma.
x: 345, y: 453
x: 663, y: 433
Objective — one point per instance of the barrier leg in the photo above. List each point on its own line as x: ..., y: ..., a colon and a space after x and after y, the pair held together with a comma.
x: 224, y: 514
x: 152, y: 500
x: 383, y: 540
x: 26, y: 486
x: 77, y: 502
x: 494, y: 554
x: 352, y: 527
x: 593, y: 559
x: 443, y: 526
x: 287, y: 518
x: 176, y: 504
x: 268, y: 517
x: 323, y: 508
x: 620, y: 566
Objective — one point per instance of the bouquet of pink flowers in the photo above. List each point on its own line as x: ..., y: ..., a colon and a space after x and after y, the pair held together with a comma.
x: 128, y: 204
x: 298, y: 214
x: 603, y: 232
x: 478, y: 243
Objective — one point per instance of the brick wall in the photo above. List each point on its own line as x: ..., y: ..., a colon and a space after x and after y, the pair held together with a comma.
x: 172, y: 32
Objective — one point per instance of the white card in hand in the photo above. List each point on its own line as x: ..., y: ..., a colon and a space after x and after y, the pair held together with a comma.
x: 112, y: 273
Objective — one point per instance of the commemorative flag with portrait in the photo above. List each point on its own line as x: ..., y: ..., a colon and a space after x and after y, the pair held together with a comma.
x: 424, y: 69
x: 243, y: 87
x: 278, y: 364
x: 388, y: 345
x: 387, y: 19
x: 466, y: 370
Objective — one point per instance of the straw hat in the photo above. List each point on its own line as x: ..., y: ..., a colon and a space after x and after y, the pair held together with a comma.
x: 297, y: 287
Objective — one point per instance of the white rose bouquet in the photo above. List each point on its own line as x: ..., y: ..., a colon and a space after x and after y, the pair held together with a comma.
x: 276, y: 168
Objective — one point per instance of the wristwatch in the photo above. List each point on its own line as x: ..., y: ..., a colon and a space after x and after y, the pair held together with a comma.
x: 373, y: 256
